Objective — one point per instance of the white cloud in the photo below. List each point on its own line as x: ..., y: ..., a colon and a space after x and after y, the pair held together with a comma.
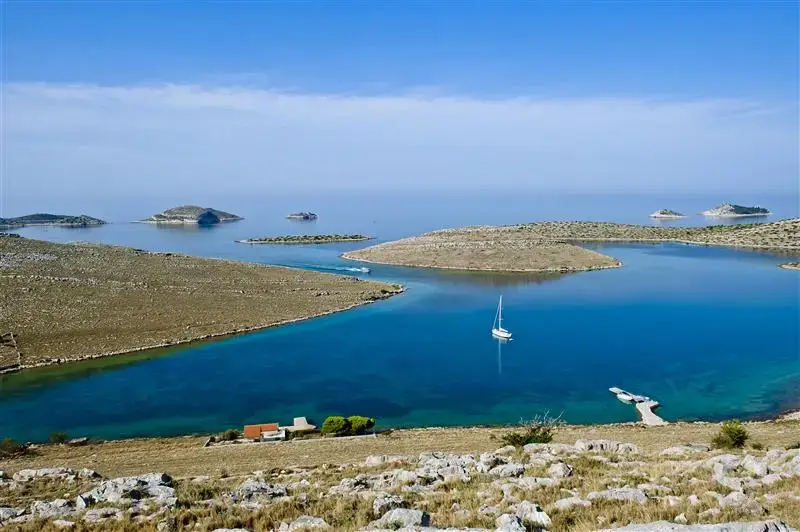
x: 165, y: 138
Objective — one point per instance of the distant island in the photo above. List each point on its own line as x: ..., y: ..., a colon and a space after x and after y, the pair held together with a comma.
x: 791, y: 266
x: 192, y: 214
x: 50, y: 219
x: 304, y: 239
x: 729, y: 210
x: 302, y: 216
x: 667, y: 213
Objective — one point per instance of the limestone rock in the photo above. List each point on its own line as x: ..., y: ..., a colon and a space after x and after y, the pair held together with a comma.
x: 739, y: 526
x: 620, y: 494
x: 689, y: 448
x: 610, y: 446
x: 48, y: 509
x: 739, y: 500
x: 754, y: 466
x: 305, y: 522
x: 509, y: 523
x: 401, y: 517
x: 155, y: 487
x: 99, y: 515
x: 63, y: 523
x: 531, y: 514
x: 382, y: 459
x: 385, y: 502
x: 513, y: 469
x: 7, y: 513
x: 681, y: 519
x: 550, y: 448
x: 88, y: 474
x: 570, y: 502
x: 560, y: 470
x: 508, y: 449
x: 25, y: 475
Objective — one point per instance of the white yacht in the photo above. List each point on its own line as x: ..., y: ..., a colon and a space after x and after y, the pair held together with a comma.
x: 497, y: 326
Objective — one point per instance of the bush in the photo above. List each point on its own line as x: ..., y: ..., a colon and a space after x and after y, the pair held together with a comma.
x: 537, y: 430
x: 9, y: 448
x: 59, y: 437
x: 230, y: 435
x: 336, y: 425
x: 757, y: 445
x: 732, y: 435
x: 360, y: 424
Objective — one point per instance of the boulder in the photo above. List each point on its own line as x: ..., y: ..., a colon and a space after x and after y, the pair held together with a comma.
x: 550, y: 448
x: 400, y: 518
x: 382, y: 459
x: 251, y: 490
x: 7, y: 513
x: 385, y: 502
x: 88, y: 474
x: 25, y: 475
x: 513, y: 469
x: 48, y: 509
x: 570, y: 502
x: 305, y: 522
x: 509, y: 523
x: 98, y: 515
x: 560, y: 470
x: 739, y: 526
x: 620, y: 494
x: 656, y: 489
x: 508, y: 449
x: 531, y: 514
x: 63, y: 523
x: 609, y: 446
x: 155, y: 487
x: 754, y: 466
x: 740, y: 501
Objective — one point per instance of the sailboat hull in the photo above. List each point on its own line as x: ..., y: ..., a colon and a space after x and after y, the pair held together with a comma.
x: 501, y: 333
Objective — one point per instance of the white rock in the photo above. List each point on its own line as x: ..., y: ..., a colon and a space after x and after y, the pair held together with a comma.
x: 508, y: 449
x: 754, y: 466
x: 385, y: 502
x: 610, y: 446
x: 739, y: 500
x: 401, y: 517
x: 513, y: 469
x: 62, y: 523
x: 378, y: 460
x: 681, y: 519
x: 305, y: 522
x: 25, y: 475
x: 570, y: 502
x: 560, y: 470
x: 620, y: 494
x: 531, y: 514
x: 509, y: 523
x: 681, y: 450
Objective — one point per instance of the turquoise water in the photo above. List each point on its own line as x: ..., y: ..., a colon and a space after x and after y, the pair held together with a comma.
x: 709, y: 332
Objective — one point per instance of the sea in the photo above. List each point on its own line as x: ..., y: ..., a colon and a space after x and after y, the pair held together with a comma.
x: 709, y: 332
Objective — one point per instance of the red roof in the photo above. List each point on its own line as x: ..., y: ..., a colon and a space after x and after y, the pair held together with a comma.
x: 253, y: 432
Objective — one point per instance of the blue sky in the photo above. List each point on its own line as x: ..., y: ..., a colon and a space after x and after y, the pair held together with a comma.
x: 606, y: 96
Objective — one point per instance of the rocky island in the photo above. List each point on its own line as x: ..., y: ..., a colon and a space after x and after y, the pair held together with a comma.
x: 667, y: 214
x: 50, y: 219
x: 729, y: 210
x: 305, y: 216
x: 67, y: 302
x: 192, y: 214
x: 587, y: 478
x: 791, y: 266
x: 304, y: 239
x: 550, y: 246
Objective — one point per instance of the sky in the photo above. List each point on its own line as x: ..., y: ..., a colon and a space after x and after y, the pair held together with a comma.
x: 102, y: 99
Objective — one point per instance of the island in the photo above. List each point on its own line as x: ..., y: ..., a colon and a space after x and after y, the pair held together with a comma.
x: 305, y: 216
x: 729, y: 210
x: 68, y: 302
x: 192, y: 214
x: 554, y: 246
x: 667, y: 214
x: 304, y: 239
x: 61, y: 220
x: 791, y: 266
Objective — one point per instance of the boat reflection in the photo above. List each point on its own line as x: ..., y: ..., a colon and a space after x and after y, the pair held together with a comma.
x: 500, y: 343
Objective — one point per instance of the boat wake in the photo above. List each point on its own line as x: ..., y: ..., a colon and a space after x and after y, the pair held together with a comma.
x: 338, y: 268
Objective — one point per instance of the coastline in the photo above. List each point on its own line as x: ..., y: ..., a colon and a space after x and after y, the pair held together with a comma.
x: 200, y: 339
x: 295, y: 242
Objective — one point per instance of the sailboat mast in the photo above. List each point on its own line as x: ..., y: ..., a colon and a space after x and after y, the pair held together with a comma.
x: 500, y: 313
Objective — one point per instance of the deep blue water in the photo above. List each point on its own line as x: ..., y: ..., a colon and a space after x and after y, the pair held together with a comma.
x: 709, y: 332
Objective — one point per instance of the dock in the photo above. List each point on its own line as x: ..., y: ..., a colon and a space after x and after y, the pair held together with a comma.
x: 644, y: 405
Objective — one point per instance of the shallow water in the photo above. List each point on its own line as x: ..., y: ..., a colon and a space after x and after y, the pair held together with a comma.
x: 709, y: 332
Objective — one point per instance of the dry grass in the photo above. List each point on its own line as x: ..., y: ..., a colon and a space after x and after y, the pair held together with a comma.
x: 68, y: 301
x: 545, y: 246
x: 185, y: 456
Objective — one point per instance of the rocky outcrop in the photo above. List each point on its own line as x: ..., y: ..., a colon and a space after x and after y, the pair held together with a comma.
x: 305, y: 216
x: 192, y: 214
x: 738, y: 526
x: 50, y: 219
x: 667, y: 214
x: 153, y: 487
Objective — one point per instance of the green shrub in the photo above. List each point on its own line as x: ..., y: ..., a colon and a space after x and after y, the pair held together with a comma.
x: 9, y: 448
x: 538, y: 430
x: 360, y: 424
x: 230, y: 435
x: 732, y: 435
x: 335, y: 425
x: 59, y: 437
x: 757, y: 445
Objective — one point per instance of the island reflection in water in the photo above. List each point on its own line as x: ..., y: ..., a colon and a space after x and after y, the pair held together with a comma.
x: 499, y: 279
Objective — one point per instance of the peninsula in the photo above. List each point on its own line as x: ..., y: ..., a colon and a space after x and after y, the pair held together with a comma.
x: 192, y: 214
x: 306, y: 216
x: 50, y: 219
x: 667, y: 214
x: 304, y: 239
x: 67, y: 302
x: 549, y: 246
x: 791, y: 266
x: 729, y: 210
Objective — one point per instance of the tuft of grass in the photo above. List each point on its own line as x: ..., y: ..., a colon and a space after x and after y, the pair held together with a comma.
x: 732, y: 435
x: 540, y: 429
x: 12, y: 449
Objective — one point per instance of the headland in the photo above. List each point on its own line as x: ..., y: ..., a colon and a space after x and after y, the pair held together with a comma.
x: 68, y: 302
x: 61, y: 220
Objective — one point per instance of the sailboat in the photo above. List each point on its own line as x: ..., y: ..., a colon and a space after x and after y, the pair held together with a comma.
x: 497, y: 326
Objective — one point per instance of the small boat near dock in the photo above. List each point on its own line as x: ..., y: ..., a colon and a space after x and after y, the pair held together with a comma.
x: 644, y: 405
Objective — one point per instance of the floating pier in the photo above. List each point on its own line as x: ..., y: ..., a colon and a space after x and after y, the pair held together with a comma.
x: 644, y: 405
